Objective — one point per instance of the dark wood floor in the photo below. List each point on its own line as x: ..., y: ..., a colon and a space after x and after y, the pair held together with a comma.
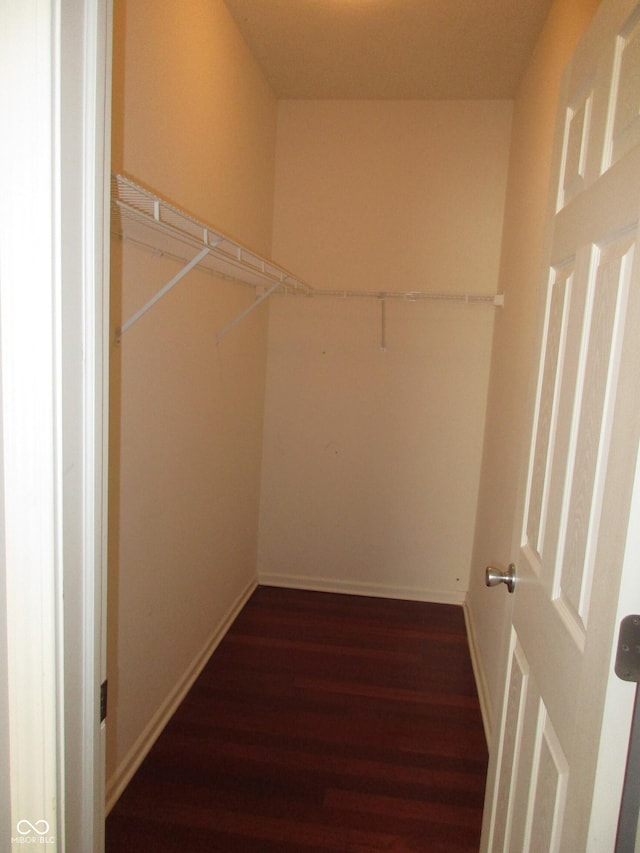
x: 322, y: 722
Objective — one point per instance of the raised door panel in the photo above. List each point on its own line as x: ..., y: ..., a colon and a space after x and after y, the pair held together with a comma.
x: 624, y: 126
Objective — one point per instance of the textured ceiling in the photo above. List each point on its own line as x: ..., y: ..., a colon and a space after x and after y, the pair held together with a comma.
x: 377, y: 49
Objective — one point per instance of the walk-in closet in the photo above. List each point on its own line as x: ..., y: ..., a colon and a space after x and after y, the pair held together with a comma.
x: 323, y: 317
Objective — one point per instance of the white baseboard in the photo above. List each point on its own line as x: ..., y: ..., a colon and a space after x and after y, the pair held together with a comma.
x: 356, y: 588
x: 479, y: 673
x: 151, y: 732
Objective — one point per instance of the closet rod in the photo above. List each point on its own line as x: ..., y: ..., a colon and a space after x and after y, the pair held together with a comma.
x: 286, y: 290
x: 225, y: 256
x: 496, y: 299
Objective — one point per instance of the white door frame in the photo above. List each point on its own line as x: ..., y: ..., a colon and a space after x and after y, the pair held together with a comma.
x: 54, y: 111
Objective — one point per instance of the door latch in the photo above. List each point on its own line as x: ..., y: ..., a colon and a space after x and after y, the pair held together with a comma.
x: 628, y: 655
x: 103, y: 701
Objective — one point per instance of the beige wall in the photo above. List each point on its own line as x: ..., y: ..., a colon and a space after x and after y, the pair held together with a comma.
x: 194, y: 120
x: 521, y: 274
x: 371, y: 459
x: 199, y: 117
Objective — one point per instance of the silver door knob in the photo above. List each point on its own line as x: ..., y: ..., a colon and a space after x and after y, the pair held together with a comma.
x: 494, y: 576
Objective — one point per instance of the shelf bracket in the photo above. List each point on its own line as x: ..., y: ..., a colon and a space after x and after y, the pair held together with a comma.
x: 247, y: 311
x: 163, y: 290
x: 383, y: 322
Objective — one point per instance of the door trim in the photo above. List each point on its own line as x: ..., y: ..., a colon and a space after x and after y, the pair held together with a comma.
x: 54, y: 297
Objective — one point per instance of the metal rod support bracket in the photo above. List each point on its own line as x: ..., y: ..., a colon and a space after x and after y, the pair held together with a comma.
x: 247, y: 311
x: 163, y: 290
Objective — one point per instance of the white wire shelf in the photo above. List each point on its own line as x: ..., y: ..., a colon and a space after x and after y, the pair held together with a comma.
x: 225, y: 255
x: 228, y: 258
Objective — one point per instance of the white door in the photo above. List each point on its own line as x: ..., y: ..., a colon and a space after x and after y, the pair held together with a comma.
x: 551, y: 760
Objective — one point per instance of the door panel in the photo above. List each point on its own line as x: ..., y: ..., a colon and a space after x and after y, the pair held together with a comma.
x: 533, y: 770
x: 511, y: 746
x: 554, y: 354
x: 576, y: 139
x: 582, y: 460
x: 605, y: 309
x: 551, y: 771
x: 625, y: 127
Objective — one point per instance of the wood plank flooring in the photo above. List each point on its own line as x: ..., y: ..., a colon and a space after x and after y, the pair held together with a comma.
x: 322, y: 722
